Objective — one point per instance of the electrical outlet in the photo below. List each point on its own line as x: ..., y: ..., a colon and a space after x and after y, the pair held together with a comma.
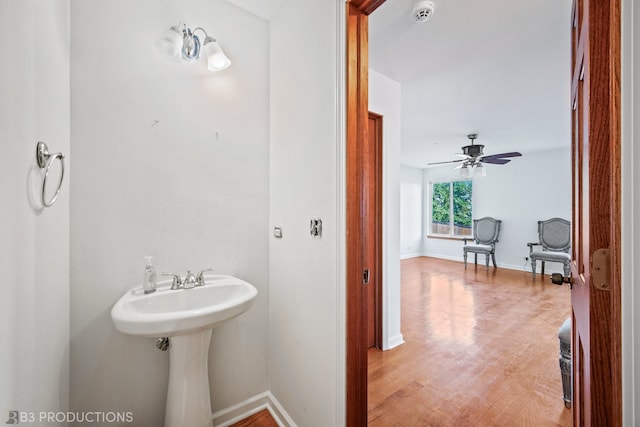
x: 315, y: 226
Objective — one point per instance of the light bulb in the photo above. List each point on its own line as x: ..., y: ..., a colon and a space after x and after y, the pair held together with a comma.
x: 170, y: 43
x: 216, y: 59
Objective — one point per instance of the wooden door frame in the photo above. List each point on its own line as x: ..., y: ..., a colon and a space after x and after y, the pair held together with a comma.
x: 377, y: 266
x: 615, y: 128
x: 357, y: 36
x: 357, y: 114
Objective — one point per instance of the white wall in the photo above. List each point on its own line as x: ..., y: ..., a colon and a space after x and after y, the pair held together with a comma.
x: 306, y: 363
x: 411, y: 211
x: 34, y: 243
x: 385, y: 99
x: 171, y: 160
x: 533, y: 187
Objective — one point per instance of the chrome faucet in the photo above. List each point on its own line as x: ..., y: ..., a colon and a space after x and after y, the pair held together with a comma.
x: 200, y: 277
x: 177, y: 281
x: 190, y: 281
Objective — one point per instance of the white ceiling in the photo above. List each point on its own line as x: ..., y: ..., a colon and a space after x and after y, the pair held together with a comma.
x: 500, y: 68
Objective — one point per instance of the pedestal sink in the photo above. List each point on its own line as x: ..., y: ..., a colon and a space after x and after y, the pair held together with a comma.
x: 188, y: 317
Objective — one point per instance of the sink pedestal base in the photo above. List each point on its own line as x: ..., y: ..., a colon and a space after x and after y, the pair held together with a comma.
x: 188, y: 398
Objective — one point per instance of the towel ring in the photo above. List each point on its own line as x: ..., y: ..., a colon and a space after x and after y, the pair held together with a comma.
x: 45, y: 160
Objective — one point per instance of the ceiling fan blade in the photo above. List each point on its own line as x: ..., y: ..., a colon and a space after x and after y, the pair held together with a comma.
x: 444, y: 163
x: 501, y: 156
x: 495, y: 161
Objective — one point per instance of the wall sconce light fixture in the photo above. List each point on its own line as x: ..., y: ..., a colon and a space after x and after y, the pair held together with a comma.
x: 180, y: 42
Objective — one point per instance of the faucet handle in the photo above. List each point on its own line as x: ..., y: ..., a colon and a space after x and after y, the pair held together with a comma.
x: 189, y: 280
x: 200, y: 276
x: 177, y: 281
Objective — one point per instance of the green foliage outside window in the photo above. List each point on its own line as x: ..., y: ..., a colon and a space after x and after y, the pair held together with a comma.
x: 451, y: 204
x: 462, y: 203
x: 440, y: 211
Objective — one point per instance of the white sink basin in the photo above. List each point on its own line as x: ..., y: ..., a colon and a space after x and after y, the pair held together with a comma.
x: 188, y: 316
x: 167, y: 312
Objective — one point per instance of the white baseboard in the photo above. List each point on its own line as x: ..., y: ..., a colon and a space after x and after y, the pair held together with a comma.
x: 461, y: 260
x: 240, y: 411
x: 551, y: 267
x: 407, y: 256
x: 395, y: 341
x: 447, y: 257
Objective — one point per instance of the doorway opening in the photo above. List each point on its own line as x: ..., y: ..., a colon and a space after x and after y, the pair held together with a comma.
x: 357, y: 96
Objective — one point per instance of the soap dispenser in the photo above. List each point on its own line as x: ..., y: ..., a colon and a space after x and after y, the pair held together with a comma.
x: 149, y: 279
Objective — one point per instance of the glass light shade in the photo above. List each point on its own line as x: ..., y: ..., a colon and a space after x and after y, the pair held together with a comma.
x: 480, y: 170
x: 464, y: 171
x: 216, y: 59
x: 170, y: 43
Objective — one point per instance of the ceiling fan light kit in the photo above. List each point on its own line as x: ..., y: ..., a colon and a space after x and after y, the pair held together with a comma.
x: 480, y: 170
x: 474, y: 158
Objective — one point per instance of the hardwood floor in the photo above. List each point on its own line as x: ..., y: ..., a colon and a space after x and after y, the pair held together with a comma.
x: 481, y: 349
x: 260, y: 419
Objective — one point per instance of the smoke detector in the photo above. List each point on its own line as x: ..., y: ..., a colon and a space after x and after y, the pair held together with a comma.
x: 423, y: 11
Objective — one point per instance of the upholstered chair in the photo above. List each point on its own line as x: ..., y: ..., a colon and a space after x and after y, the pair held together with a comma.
x: 554, y: 235
x: 485, y: 235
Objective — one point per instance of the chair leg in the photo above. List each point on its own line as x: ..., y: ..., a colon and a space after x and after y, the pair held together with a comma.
x: 565, y: 373
x: 465, y: 259
x: 567, y: 269
x: 565, y: 370
x: 486, y: 260
x: 542, y: 271
x: 475, y: 258
x: 493, y: 258
x: 533, y: 267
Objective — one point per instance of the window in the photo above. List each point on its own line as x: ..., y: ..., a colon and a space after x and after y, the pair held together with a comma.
x: 451, y: 208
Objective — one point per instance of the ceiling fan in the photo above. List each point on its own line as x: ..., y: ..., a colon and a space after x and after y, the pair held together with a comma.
x: 473, y: 156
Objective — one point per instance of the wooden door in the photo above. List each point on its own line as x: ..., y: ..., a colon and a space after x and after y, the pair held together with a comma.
x: 357, y: 137
x: 595, y: 296
x: 372, y: 199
